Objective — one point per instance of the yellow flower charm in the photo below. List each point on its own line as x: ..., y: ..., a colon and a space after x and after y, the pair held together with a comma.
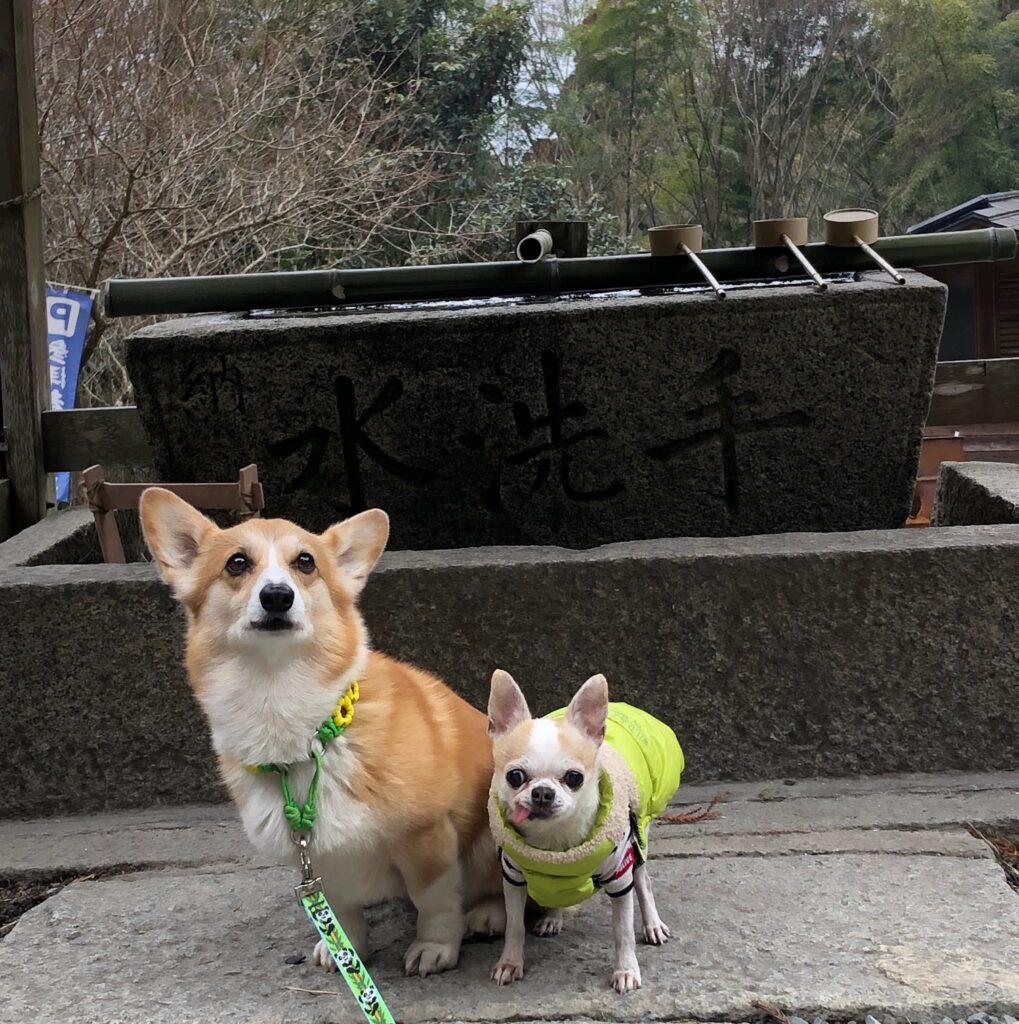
x: 344, y: 713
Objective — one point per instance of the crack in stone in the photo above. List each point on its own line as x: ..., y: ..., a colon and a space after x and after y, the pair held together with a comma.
x: 910, y: 827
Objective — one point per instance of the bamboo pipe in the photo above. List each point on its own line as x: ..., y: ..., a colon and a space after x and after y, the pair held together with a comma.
x: 535, y: 246
x: 330, y: 288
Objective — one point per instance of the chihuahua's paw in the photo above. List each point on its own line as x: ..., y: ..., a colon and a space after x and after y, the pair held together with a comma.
x: 322, y: 957
x: 656, y: 933
x: 550, y: 923
x: 507, y: 971
x: 424, y: 958
x: 487, y: 918
x: 626, y: 980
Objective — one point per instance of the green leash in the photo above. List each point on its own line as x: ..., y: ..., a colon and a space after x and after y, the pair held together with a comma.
x: 321, y: 915
x: 301, y: 819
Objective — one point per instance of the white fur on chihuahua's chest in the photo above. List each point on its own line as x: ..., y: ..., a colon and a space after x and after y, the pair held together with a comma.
x: 274, y: 640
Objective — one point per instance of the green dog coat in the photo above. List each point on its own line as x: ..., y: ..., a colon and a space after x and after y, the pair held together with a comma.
x: 641, y: 765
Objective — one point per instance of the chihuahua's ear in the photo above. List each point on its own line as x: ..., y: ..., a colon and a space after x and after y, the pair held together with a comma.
x: 506, y: 704
x: 356, y: 544
x: 590, y: 707
x: 174, y: 532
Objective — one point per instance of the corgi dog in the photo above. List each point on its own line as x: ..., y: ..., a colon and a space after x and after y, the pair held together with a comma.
x: 572, y: 797
x: 275, y: 647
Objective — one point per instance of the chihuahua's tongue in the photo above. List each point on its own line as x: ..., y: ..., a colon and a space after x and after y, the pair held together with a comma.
x: 519, y: 814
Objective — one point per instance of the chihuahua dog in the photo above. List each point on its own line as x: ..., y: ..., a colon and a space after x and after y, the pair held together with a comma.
x: 572, y: 797
x: 276, y: 648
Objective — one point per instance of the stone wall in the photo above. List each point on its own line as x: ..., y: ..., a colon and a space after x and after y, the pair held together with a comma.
x: 784, y: 656
x: 575, y: 422
x: 976, y: 494
x: 69, y: 537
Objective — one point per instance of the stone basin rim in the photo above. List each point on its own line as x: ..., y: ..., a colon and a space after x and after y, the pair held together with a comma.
x: 693, y: 303
x: 669, y: 549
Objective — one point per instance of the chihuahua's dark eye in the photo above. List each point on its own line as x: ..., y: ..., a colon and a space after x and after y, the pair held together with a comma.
x: 516, y: 778
x: 574, y: 779
x: 305, y: 563
x: 236, y: 564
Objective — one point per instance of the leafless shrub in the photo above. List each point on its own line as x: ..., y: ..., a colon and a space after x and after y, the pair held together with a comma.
x: 175, y: 143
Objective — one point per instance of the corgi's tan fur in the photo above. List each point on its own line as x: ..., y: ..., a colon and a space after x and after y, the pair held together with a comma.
x: 402, y: 802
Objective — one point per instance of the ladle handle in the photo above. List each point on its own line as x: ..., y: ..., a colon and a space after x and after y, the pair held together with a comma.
x: 705, y: 273
x: 819, y: 281
x: 880, y: 261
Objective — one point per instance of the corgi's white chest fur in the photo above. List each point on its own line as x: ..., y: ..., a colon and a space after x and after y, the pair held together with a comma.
x: 264, y: 713
x: 267, y: 709
x: 343, y: 824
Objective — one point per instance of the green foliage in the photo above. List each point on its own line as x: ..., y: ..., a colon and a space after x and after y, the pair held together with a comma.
x: 625, y: 53
x: 458, y: 59
x: 715, y: 111
x: 724, y: 110
x: 521, y: 191
x: 952, y: 132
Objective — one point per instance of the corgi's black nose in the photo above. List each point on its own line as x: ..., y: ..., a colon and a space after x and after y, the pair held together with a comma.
x: 276, y: 597
x: 542, y: 796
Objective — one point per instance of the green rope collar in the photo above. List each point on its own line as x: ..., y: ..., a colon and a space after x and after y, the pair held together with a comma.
x: 301, y: 817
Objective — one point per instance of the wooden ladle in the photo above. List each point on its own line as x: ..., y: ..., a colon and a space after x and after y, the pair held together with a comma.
x: 847, y: 228
x: 790, y: 232
x: 683, y: 240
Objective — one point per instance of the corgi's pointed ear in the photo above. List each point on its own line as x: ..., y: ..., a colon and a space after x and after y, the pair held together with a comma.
x: 174, y: 532
x: 356, y: 544
x: 590, y: 707
x: 506, y: 704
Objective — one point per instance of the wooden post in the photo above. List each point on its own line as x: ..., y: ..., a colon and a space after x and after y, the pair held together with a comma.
x: 24, y: 373
x: 5, y: 510
x: 250, y: 491
x: 105, y: 516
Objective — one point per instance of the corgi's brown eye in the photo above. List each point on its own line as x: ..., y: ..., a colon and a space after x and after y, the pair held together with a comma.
x: 516, y: 778
x: 305, y: 563
x: 574, y: 779
x: 236, y: 564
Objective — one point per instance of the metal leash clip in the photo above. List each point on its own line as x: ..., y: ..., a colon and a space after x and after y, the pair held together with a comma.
x: 309, y: 883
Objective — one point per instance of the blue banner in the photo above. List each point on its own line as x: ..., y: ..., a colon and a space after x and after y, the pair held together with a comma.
x: 67, y: 317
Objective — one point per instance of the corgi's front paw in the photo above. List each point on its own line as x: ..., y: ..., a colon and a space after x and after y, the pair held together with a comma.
x: 550, y: 923
x: 424, y: 958
x: 507, y: 970
x: 323, y: 958
x: 657, y: 933
x: 486, y: 919
x: 626, y: 980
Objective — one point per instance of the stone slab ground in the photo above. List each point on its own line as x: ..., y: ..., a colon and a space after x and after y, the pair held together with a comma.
x: 837, y: 897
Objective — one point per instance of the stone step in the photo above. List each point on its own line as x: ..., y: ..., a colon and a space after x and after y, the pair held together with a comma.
x: 837, y: 897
